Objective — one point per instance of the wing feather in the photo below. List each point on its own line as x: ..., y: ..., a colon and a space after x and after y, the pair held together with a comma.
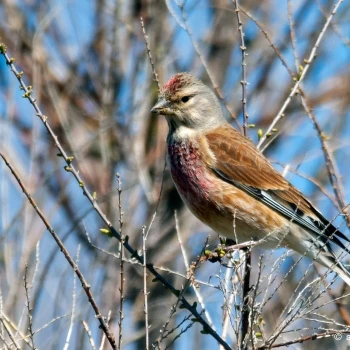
x: 238, y: 159
x: 235, y: 159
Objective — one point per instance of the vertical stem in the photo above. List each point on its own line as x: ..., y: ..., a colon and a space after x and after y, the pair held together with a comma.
x: 244, y: 73
x: 245, y: 291
x: 145, y: 287
x: 29, y: 309
x: 122, y: 279
x: 247, y: 259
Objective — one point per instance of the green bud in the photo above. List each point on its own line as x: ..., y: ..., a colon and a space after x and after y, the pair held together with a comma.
x: 106, y: 232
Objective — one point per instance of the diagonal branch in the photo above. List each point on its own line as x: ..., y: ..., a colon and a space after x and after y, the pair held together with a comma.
x: 303, y: 339
x: 63, y: 249
x: 307, y: 62
x: 92, y: 199
x: 333, y: 174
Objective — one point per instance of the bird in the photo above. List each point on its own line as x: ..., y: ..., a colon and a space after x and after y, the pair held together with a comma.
x: 229, y: 185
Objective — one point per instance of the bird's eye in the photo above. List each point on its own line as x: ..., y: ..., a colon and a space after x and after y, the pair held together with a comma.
x: 185, y: 99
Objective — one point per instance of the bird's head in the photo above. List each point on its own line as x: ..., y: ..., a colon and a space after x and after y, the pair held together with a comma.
x: 186, y: 101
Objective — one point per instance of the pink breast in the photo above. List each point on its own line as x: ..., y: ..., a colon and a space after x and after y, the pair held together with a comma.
x: 188, y: 171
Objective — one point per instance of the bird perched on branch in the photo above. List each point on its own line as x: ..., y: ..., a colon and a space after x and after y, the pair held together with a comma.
x: 230, y: 186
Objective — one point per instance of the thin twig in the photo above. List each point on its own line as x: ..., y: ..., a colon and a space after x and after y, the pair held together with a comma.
x: 244, y: 73
x: 342, y: 309
x: 9, y: 333
x: 2, y: 330
x: 74, y: 297
x: 49, y: 323
x: 333, y: 174
x: 174, y: 307
x: 23, y: 336
x: 188, y: 270
x: 88, y: 332
x: 102, y: 345
x: 92, y: 199
x: 18, y: 334
x: 163, y: 331
x: 158, y: 202
x: 121, y: 255
x: 6, y: 345
x: 253, y: 313
x: 210, y: 75
x: 292, y: 34
x: 303, y: 72
x: 149, y: 54
x: 71, y: 262
x: 183, y: 331
x: 160, y: 268
x: 334, y: 26
x: 294, y: 312
x: 145, y: 294
x: 303, y: 339
x: 227, y: 301
x: 36, y: 268
x: 245, y: 297
x: 29, y: 309
x: 275, y: 48
x: 171, y: 331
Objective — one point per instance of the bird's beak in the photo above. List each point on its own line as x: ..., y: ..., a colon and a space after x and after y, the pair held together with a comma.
x: 160, y: 106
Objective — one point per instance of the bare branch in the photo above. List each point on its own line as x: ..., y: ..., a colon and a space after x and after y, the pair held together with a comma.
x: 92, y: 199
x: 306, y: 67
x: 149, y: 54
x: 244, y: 73
x: 71, y: 262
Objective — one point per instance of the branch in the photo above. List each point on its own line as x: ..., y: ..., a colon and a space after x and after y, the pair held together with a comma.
x: 333, y: 174
x: 121, y: 256
x: 303, y: 339
x: 145, y: 293
x: 71, y: 262
x: 245, y: 296
x: 244, y: 73
x: 9, y: 333
x: 149, y: 54
x: 29, y: 309
x: 92, y: 199
x: 295, y: 88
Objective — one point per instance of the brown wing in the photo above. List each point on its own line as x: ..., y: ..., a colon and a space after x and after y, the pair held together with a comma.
x: 234, y: 157
x: 237, y: 158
